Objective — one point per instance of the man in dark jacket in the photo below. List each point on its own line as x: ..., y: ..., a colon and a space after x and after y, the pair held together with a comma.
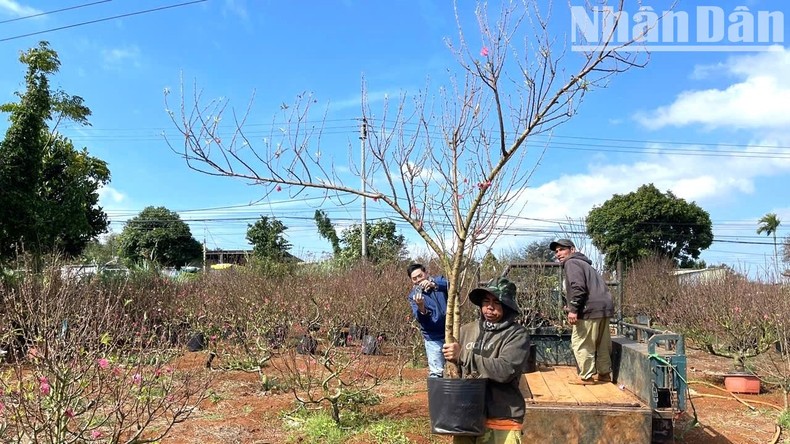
x: 428, y: 300
x: 590, y: 306
x: 494, y: 347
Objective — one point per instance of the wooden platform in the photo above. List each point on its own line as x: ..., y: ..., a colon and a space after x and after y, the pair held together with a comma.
x: 561, y: 412
x: 552, y: 386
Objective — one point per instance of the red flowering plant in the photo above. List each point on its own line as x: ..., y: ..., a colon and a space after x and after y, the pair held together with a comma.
x: 83, y: 367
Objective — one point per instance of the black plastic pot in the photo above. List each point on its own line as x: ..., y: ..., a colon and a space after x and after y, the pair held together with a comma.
x: 457, y: 406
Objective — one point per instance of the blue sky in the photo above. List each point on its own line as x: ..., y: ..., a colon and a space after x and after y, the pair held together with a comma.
x: 712, y: 126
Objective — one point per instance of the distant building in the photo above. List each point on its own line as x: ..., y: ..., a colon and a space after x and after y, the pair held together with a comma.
x: 701, y: 276
x: 237, y: 257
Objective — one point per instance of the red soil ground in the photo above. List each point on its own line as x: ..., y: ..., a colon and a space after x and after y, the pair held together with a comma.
x: 239, y: 412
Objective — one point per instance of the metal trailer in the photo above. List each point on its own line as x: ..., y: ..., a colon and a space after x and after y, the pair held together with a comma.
x: 647, y: 393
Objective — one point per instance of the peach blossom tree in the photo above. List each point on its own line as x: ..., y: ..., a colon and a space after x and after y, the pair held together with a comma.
x: 451, y: 163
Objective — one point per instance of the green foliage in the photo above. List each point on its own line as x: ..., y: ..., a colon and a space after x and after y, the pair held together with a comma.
x: 322, y: 428
x: 784, y: 419
x: 539, y: 251
x: 267, y: 239
x: 389, y: 432
x: 50, y: 190
x: 70, y: 197
x: 160, y: 236
x: 383, y: 242
x: 768, y: 225
x: 327, y: 231
x: 102, y: 252
x: 647, y: 222
x: 490, y: 267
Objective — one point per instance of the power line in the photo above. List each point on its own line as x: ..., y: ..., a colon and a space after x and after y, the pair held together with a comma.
x: 52, y: 12
x: 161, y: 8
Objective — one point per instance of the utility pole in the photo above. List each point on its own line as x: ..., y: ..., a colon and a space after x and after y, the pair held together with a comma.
x: 363, y: 135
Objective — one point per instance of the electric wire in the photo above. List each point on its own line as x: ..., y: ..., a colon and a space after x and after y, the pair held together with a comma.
x: 90, y: 22
x: 40, y: 14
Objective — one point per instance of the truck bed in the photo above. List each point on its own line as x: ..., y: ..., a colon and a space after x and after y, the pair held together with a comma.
x: 561, y: 412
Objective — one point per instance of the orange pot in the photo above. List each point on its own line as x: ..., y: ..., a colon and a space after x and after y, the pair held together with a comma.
x: 742, y: 383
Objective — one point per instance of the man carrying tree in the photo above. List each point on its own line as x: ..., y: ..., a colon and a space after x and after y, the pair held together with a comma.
x: 428, y: 300
x: 496, y: 347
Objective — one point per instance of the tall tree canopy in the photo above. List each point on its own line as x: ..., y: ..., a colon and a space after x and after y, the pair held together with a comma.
x: 267, y: 238
x: 383, y: 242
x: 160, y: 236
x: 646, y: 222
x: 50, y: 190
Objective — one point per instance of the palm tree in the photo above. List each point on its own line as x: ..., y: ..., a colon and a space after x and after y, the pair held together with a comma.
x: 768, y: 225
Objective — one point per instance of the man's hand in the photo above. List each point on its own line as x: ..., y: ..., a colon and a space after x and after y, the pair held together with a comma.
x: 572, y: 318
x: 427, y: 284
x: 420, y: 301
x: 451, y: 351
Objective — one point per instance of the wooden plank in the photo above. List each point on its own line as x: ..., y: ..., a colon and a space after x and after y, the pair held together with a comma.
x: 581, y: 393
x: 540, y: 391
x: 558, y: 387
x: 552, y: 386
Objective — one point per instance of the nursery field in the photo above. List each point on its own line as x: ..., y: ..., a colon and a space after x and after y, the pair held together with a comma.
x: 239, y: 412
x: 107, y: 360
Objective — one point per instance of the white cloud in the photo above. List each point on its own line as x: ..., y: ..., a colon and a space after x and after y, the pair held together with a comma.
x: 17, y: 9
x: 705, y: 181
x: 119, y: 58
x: 760, y: 99
x: 109, y: 196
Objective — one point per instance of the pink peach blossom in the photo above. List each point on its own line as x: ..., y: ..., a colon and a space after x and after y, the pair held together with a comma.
x: 103, y: 363
x: 484, y: 51
x: 44, y: 386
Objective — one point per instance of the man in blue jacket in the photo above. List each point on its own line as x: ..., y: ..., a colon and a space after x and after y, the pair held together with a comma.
x: 428, y: 300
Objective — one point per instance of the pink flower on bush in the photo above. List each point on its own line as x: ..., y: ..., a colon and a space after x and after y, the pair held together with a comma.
x: 69, y: 413
x: 484, y: 51
x: 103, y: 363
x: 95, y: 434
x: 44, y: 386
x: 137, y: 378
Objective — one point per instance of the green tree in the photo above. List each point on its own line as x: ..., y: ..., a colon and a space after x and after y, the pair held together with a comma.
x: 538, y: 251
x: 50, y: 191
x: 384, y: 244
x: 327, y: 231
x: 160, y: 236
x: 768, y: 225
x: 267, y: 239
x: 69, y: 193
x: 104, y: 251
x: 645, y: 222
